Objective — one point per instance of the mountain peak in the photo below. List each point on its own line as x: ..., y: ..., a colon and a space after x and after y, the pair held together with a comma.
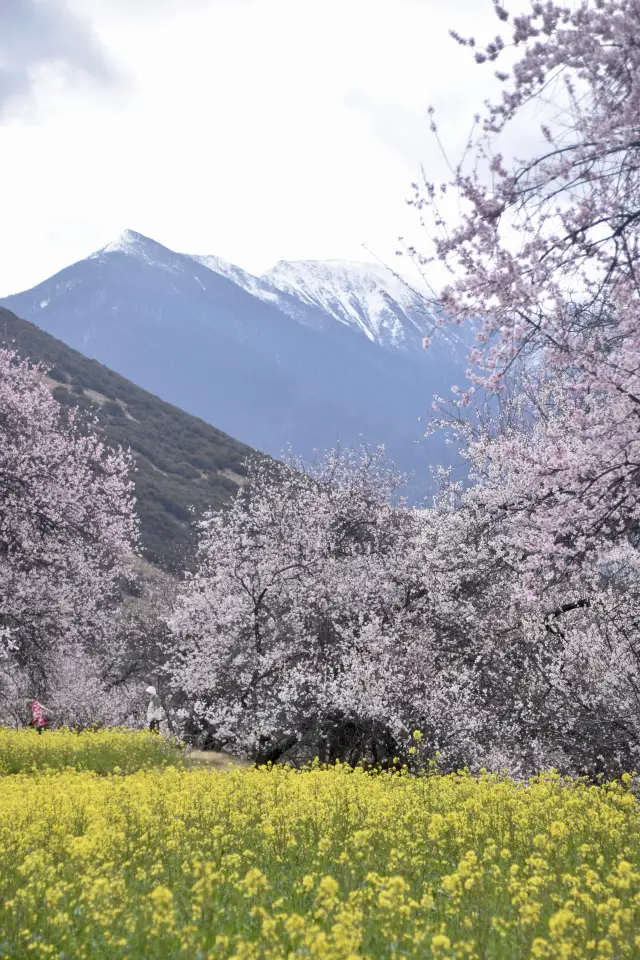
x: 138, y: 247
x: 127, y: 242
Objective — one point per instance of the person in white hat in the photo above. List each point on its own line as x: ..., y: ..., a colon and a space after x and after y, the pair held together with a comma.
x: 155, y: 712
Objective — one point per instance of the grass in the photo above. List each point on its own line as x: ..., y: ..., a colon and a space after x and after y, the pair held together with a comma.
x: 332, y: 863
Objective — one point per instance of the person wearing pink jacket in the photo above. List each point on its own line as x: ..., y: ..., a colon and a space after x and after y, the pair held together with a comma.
x: 39, y: 715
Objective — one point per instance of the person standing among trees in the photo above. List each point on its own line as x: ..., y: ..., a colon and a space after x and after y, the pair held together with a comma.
x: 155, y: 710
x: 39, y: 715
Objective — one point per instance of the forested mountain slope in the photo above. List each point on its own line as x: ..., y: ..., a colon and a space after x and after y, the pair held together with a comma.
x: 182, y: 462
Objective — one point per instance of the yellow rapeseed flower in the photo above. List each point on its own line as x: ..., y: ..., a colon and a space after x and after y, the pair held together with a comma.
x: 329, y: 863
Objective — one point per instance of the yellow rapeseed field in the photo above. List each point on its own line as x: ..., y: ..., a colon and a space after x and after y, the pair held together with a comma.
x: 99, y: 750
x: 334, y: 864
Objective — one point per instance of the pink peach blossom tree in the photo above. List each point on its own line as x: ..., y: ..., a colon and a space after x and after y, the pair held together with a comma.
x: 67, y: 525
x: 544, y: 256
x: 306, y: 626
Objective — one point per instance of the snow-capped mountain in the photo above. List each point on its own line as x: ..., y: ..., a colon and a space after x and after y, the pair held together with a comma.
x: 367, y: 297
x: 307, y: 355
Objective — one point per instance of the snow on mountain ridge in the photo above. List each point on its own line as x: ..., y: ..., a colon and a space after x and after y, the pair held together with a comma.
x: 243, y: 278
x: 365, y: 296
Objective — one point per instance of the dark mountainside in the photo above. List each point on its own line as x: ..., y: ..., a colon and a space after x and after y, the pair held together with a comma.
x: 202, y: 342
x: 181, y: 460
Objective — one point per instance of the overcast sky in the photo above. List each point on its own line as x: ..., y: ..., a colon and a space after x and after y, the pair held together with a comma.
x: 257, y: 130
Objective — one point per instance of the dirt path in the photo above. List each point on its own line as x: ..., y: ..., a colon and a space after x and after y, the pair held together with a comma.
x: 217, y: 761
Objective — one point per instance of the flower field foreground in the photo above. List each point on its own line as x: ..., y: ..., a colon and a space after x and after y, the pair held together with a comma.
x: 328, y: 863
x: 100, y: 751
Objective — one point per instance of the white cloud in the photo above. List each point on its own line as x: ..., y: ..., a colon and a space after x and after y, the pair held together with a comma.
x: 255, y: 129
x: 44, y: 38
